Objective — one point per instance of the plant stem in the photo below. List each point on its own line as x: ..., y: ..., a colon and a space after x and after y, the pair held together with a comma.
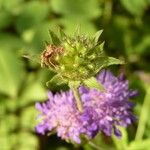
x: 78, y: 99
x: 95, y: 146
x: 143, y: 116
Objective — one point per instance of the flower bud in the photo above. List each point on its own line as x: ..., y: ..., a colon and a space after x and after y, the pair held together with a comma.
x: 75, y: 58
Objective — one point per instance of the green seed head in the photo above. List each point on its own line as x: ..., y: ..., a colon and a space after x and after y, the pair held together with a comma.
x: 76, y: 58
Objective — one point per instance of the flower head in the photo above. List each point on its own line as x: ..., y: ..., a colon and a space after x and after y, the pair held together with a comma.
x: 60, y: 113
x: 112, y: 107
x: 76, y: 58
x: 102, y: 111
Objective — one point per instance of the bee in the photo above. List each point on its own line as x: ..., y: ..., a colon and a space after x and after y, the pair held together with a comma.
x: 48, y: 56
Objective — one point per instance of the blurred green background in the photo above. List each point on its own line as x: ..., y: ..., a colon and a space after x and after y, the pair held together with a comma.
x: 24, y: 26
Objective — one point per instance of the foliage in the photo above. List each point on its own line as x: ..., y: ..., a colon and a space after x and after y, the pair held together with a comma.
x: 24, y: 26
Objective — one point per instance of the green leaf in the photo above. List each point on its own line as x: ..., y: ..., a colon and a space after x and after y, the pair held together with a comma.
x: 101, y: 46
x: 114, y: 61
x: 33, y: 91
x: 70, y: 24
x: 28, y: 118
x: 15, y: 43
x: 139, y: 145
x: 54, y: 39
x: 97, y: 36
x: 87, y: 147
x: 62, y: 148
x: 56, y: 82
x: 5, y: 19
x: 8, y: 124
x: 74, y: 9
x: 12, y: 7
x: 5, y: 142
x: 93, y: 83
x: 35, y: 11
x: 26, y: 141
x: 11, y: 72
x: 135, y: 7
x: 41, y: 34
x: 123, y: 142
x: 6, y: 127
x: 144, y: 116
x: 62, y: 34
x: 74, y: 84
x: 105, y: 61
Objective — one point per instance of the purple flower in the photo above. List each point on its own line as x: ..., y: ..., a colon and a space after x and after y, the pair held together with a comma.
x: 111, y: 107
x: 60, y: 113
x: 103, y: 111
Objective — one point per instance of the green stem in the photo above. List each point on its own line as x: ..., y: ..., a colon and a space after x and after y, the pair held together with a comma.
x: 143, y: 117
x: 78, y: 99
x: 94, y: 145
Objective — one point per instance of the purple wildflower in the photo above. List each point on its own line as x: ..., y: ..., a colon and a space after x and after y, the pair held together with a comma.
x: 60, y: 113
x: 103, y: 111
x: 111, y: 107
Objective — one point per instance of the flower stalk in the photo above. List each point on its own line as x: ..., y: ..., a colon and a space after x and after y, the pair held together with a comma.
x: 78, y: 99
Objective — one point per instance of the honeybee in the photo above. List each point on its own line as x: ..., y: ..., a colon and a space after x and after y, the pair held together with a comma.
x: 49, y: 54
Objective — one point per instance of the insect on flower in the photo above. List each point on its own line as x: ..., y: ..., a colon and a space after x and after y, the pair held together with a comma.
x: 48, y: 56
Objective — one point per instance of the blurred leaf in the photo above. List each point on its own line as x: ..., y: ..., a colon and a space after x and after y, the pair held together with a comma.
x: 10, y: 104
x: 28, y: 118
x: 33, y: 13
x: 28, y: 35
x: 143, y: 116
x: 34, y: 91
x: 11, y: 6
x: 121, y: 144
x: 41, y: 34
x: 55, y: 40
x: 101, y: 141
x: 115, y: 34
x: 25, y: 141
x: 87, y: 147
x: 135, y: 7
x: 7, y: 125
x: 74, y: 9
x: 15, y: 43
x: 87, y: 27
x: 143, y: 46
x: 11, y: 73
x: 5, y: 142
x: 93, y: 83
x: 139, y: 145
x: 10, y: 123
x: 5, y: 19
x: 62, y: 148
